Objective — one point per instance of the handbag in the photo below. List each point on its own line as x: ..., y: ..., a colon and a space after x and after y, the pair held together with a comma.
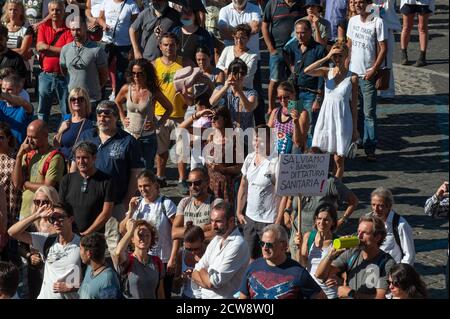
x: 95, y: 33
x: 383, y: 75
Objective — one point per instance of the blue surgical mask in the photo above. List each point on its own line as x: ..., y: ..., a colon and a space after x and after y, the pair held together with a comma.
x: 187, y: 22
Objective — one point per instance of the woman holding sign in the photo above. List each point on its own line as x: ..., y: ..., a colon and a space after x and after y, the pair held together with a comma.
x: 290, y: 121
x: 336, y: 126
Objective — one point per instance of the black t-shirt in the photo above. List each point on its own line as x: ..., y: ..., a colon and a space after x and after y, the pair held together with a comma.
x: 86, y: 205
x: 13, y: 60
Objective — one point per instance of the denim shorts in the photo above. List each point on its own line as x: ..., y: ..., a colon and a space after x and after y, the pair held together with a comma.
x: 415, y: 8
x: 277, y: 67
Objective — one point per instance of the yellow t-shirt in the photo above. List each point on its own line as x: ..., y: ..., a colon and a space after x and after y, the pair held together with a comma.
x: 165, y: 74
x: 54, y: 173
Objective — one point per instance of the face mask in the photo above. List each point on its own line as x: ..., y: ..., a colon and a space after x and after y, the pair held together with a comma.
x: 187, y: 22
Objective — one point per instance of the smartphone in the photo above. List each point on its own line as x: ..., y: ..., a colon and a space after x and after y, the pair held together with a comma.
x: 295, y: 105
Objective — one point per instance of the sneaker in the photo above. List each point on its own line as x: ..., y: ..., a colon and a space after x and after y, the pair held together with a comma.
x: 162, y: 182
x: 183, y: 187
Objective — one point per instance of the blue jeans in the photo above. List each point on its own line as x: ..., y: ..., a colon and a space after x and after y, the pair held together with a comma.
x: 49, y: 84
x: 367, y: 114
x: 149, y: 145
x: 308, y: 99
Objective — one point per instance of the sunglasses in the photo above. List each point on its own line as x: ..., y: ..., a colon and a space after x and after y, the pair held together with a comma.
x: 195, y: 183
x: 79, y: 99
x: 84, y: 186
x: 40, y: 203
x: 52, y: 220
x: 106, y: 112
x: 283, y: 98
x: 393, y: 283
x: 137, y: 73
x: 264, y: 244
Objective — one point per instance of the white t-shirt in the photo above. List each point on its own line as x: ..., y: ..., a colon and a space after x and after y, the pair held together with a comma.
x: 96, y: 6
x: 153, y: 212
x: 112, y: 10
x: 227, y: 56
x: 63, y: 264
x: 228, y: 15
x: 262, y: 201
x: 364, y: 47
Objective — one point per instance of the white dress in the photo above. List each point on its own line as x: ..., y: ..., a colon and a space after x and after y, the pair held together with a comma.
x: 334, y: 127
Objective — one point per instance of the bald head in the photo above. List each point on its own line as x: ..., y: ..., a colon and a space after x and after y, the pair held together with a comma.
x: 37, y: 134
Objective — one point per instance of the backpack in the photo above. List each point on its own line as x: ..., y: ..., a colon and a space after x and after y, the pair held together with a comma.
x: 395, y: 223
x: 124, y: 277
x: 47, y: 244
x: 47, y: 162
x: 312, y: 236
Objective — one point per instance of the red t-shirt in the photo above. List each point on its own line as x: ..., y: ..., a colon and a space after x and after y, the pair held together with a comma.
x: 46, y: 34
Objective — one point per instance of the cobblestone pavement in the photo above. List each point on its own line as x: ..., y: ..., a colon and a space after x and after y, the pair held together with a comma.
x: 413, y: 150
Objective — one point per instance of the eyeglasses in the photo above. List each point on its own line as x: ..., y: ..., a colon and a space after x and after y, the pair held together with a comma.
x: 268, y: 245
x: 79, y: 99
x: 40, y: 203
x: 283, y: 98
x: 195, y: 183
x: 106, y: 112
x: 137, y: 73
x: 53, y: 219
x: 84, y: 186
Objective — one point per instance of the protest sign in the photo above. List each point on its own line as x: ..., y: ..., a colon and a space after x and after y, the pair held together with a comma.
x: 304, y: 174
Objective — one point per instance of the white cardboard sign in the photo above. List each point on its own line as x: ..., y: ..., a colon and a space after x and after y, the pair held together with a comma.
x: 304, y: 174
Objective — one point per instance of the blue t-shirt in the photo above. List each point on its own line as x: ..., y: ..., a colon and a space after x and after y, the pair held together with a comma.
x: 105, y: 285
x: 116, y: 157
x: 70, y: 135
x: 286, y: 281
x: 17, y: 119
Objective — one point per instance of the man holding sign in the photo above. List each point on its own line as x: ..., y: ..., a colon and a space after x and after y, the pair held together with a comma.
x: 257, y: 191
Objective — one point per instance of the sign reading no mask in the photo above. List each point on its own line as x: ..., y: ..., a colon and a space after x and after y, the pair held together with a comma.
x: 302, y: 174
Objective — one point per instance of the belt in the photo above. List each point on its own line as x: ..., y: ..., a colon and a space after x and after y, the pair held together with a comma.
x: 308, y: 89
x: 55, y: 74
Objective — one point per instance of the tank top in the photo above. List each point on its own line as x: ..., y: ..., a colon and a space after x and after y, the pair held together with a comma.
x: 190, y: 288
x: 165, y: 74
x: 138, y: 115
x: 315, y: 255
x: 284, y: 131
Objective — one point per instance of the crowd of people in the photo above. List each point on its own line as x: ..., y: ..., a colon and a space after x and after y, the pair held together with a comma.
x: 84, y: 215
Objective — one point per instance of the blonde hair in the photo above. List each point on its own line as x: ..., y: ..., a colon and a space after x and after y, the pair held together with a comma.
x: 79, y: 91
x: 48, y: 191
x: 5, y: 16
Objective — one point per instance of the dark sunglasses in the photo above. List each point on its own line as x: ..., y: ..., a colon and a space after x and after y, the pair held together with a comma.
x: 84, y: 186
x: 137, y: 73
x: 393, y: 283
x: 268, y: 245
x: 39, y: 203
x: 79, y: 99
x: 283, y: 98
x: 192, y: 249
x: 106, y: 112
x: 52, y: 220
x: 195, y: 183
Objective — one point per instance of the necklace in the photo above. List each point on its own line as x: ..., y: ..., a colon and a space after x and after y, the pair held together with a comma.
x: 183, y: 43
x: 93, y: 272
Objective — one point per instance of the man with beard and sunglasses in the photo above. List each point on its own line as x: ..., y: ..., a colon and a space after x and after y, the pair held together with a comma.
x: 119, y: 156
x: 36, y: 165
x: 220, y: 270
x: 61, y: 252
x: 88, y: 191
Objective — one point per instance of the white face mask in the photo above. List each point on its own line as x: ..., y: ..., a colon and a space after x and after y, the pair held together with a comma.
x: 239, y: 4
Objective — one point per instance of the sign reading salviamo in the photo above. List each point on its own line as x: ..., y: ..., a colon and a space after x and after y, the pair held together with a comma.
x: 302, y: 174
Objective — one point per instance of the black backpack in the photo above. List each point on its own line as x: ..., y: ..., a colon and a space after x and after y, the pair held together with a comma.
x: 48, y: 243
